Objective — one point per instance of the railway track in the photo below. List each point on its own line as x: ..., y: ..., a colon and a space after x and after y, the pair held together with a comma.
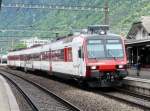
x: 145, y: 97
x: 31, y: 104
x: 67, y: 104
x: 133, y: 99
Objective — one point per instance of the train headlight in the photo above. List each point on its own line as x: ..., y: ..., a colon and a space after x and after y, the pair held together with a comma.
x: 93, y: 67
x: 120, y: 66
x: 102, y: 32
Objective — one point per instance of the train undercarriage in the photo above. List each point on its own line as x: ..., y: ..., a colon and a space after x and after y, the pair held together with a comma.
x: 106, y: 79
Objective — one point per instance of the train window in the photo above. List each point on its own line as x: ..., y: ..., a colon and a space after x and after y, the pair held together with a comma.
x: 61, y: 56
x: 95, y: 49
x: 79, y: 53
x: 57, y: 55
x: 34, y: 57
x: 95, y: 41
x: 114, y: 50
x: 113, y: 41
x: 45, y: 55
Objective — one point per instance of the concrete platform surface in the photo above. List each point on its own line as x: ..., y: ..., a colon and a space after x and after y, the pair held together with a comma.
x: 137, y: 82
x: 142, y: 81
x: 144, y: 73
x: 138, y: 85
x: 7, y: 99
x: 3, y: 65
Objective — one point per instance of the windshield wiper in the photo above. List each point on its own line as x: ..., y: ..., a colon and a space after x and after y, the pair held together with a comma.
x: 93, y: 58
x: 110, y: 53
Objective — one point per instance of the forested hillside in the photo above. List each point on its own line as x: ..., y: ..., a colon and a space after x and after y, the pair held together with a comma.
x: 122, y: 14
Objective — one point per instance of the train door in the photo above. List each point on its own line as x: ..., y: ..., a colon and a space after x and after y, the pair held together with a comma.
x: 79, y: 61
x: 28, y: 64
x: 50, y: 61
x: 81, y: 68
x: 45, y: 60
x: 25, y: 63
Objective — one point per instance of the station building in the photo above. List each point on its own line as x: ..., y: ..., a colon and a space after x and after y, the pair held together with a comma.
x: 34, y: 41
x: 138, y: 43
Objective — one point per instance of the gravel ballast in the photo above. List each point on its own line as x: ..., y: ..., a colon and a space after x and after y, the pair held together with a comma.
x: 41, y: 100
x: 23, y: 105
x: 85, y: 100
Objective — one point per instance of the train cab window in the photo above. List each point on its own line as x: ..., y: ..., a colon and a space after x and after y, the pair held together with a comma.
x: 114, y: 48
x: 95, y: 49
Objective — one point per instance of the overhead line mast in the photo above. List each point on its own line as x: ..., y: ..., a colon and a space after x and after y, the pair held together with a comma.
x: 106, y: 13
x: 0, y: 4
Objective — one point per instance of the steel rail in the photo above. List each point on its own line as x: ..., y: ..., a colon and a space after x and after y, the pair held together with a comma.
x: 63, y: 101
x: 34, y: 108
x: 145, y: 107
x: 145, y: 97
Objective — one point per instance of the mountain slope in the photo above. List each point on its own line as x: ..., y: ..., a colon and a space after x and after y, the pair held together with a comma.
x: 122, y: 14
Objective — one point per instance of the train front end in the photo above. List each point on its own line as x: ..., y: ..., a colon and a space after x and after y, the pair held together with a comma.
x: 105, y: 61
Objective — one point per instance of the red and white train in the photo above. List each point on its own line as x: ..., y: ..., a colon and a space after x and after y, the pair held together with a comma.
x: 98, y: 60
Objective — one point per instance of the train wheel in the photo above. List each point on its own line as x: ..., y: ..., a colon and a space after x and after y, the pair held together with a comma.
x: 83, y: 84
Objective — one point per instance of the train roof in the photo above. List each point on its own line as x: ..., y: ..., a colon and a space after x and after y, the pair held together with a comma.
x: 70, y: 39
x: 105, y: 36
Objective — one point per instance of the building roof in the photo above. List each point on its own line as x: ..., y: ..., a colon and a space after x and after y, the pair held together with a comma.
x: 144, y: 22
x: 133, y: 41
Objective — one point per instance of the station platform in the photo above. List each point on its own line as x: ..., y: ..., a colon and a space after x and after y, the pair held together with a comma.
x: 144, y: 73
x: 7, y: 99
x: 1, y: 65
x: 139, y: 84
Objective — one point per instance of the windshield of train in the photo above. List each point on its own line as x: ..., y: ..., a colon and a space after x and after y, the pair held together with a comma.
x: 114, y: 48
x: 95, y: 49
x: 104, y: 49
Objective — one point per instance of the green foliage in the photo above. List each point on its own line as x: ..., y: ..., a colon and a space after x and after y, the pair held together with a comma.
x: 20, y: 46
x: 122, y: 14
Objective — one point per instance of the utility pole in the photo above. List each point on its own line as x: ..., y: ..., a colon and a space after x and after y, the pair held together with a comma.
x: 0, y: 4
x: 1, y: 55
x: 12, y: 44
x: 106, y: 13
